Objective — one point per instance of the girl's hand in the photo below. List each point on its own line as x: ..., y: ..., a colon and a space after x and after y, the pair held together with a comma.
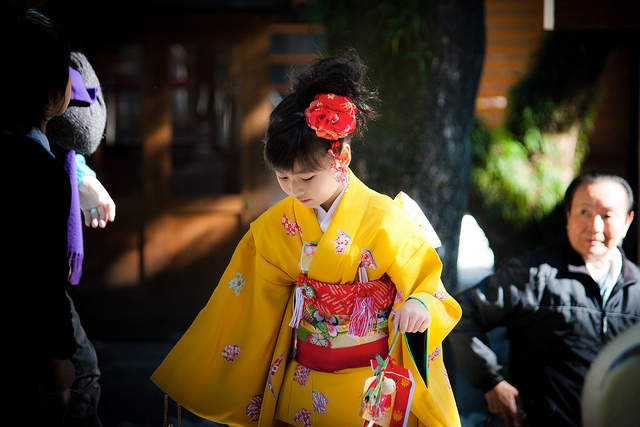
x: 412, y: 316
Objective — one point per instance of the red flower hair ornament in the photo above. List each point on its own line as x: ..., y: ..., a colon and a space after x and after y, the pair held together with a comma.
x: 332, y: 117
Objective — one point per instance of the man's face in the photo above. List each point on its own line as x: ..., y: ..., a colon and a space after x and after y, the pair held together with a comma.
x: 598, y: 220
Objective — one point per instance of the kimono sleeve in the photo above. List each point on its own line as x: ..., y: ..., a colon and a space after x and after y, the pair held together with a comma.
x: 219, y: 368
x: 416, y: 274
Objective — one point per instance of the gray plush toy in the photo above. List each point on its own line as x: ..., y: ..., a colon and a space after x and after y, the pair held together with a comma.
x: 82, y: 126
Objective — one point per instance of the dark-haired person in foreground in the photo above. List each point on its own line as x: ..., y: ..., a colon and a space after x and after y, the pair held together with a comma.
x: 38, y: 336
x: 560, y: 303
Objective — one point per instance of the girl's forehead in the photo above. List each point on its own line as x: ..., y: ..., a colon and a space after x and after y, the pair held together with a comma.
x: 300, y: 168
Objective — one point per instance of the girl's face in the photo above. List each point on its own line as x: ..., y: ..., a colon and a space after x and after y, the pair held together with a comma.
x: 314, y: 188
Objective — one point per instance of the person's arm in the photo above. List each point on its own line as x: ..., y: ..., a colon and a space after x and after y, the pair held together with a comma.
x: 95, y: 202
x: 492, y: 303
x: 82, y: 169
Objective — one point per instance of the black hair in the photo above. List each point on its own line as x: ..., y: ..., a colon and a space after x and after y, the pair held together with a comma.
x: 594, y: 178
x: 36, y: 64
x: 289, y: 138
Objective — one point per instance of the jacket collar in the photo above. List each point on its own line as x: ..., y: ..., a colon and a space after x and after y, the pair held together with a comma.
x: 575, y: 262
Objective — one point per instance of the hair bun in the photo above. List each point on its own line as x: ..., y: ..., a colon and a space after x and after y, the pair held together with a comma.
x: 343, y: 75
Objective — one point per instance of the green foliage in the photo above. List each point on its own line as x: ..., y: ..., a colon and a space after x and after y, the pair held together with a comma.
x: 518, y: 180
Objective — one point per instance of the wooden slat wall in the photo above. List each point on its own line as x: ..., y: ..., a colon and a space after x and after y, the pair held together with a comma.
x: 513, y: 32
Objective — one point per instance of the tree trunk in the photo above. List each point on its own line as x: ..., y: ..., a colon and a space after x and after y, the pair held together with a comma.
x: 425, y: 59
x: 443, y: 176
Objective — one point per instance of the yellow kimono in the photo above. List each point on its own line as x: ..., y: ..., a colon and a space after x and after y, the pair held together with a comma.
x: 233, y: 365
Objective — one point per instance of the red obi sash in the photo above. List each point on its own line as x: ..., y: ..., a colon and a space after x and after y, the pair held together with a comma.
x: 342, y: 299
x: 326, y: 359
x: 360, y: 301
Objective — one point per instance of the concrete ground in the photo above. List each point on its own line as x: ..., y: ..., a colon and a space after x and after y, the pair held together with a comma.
x: 129, y: 397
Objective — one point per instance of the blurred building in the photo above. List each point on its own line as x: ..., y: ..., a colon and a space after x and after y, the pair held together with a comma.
x: 189, y: 85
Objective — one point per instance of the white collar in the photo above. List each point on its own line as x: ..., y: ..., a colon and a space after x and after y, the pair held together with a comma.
x: 615, y: 265
x: 324, y: 217
x: 605, y: 277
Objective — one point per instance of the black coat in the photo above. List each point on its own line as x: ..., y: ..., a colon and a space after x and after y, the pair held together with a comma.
x: 556, y: 325
x: 35, y: 208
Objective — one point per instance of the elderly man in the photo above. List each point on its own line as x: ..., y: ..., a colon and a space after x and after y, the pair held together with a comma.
x: 560, y: 303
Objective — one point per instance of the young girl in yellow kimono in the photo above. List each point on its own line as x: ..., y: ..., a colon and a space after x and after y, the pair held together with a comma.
x: 319, y: 285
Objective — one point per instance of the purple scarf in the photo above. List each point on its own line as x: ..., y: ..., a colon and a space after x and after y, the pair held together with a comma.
x: 75, y: 247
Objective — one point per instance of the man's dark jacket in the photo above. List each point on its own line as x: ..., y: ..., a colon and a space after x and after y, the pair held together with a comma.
x: 556, y: 325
